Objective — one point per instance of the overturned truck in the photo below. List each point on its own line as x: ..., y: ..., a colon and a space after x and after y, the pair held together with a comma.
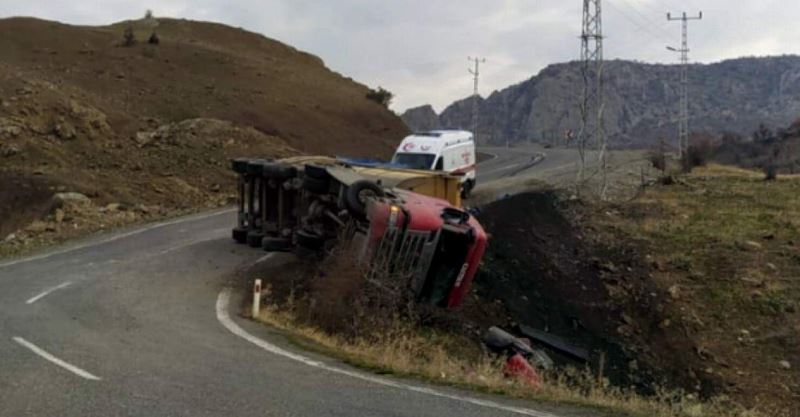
x: 408, y: 223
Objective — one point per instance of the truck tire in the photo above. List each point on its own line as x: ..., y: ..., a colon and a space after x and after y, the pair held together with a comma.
x: 239, y: 165
x: 466, y: 188
x: 357, y: 194
x: 309, y: 240
x: 254, y: 166
x: 240, y: 235
x: 316, y: 185
x: 278, y: 170
x: 254, y: 239
x: 276, y: 244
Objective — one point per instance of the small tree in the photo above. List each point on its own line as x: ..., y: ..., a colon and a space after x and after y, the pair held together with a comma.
x: 381, y: 96
x: 128, y: 37
x: 148, y: 14
x: 770, y: 172
x: 153, y: 39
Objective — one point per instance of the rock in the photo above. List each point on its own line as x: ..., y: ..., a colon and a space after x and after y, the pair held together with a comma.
x: 751, y: 246
x: 64, y: 130
x: 10, y: 238
x: 113, y: 207
x: 62, y: 199
x: 785, y: 365
x: 59, y: 215
x: 674, y: 292
x: 37, y: 226
x: 771, y: 266
x: 215, y: 188
x: 9, y: 151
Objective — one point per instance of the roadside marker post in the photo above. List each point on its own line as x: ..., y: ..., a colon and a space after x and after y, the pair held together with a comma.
x: 256, y: 298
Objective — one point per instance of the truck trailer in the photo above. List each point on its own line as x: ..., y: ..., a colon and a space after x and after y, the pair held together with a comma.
x: 409, y: 223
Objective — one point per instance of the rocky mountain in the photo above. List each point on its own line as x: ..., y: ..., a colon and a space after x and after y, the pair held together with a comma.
x: 641, y: 101
x: 421, y: 118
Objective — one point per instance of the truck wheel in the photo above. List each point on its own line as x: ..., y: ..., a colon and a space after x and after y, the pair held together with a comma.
x: 254, y: 239
x: 278, y: 170
x: 240, y: 235
x: 276, y: 244
x: 239, y: 165
x: 466, y: 188
x: 358, y: 193
x: 316, y: 185
x: 309, y: 240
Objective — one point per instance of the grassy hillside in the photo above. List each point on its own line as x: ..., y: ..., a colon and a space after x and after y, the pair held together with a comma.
x: 725, y: 246
x: 154, y: 124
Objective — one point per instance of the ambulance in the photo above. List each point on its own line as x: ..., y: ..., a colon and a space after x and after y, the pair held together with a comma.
x: 450, y: 151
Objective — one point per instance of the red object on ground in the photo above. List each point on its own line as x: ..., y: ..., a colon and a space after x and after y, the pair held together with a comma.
x: 519, y: 367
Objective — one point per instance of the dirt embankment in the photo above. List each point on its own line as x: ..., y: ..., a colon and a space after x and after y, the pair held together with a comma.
x: 688, y: 286
x: 153, y: 126
x: 550, y: 273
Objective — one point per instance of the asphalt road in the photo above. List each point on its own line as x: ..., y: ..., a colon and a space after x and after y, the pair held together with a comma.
x: 522, y: 161
x: 140, y: 323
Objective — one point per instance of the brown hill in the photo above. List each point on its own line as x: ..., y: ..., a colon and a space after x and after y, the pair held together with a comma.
x: 155, y: 123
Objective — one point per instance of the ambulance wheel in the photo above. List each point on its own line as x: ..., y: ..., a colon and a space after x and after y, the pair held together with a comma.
x: 358, y: 193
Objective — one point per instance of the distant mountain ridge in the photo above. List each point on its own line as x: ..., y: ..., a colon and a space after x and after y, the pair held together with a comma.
x: 641, y: 102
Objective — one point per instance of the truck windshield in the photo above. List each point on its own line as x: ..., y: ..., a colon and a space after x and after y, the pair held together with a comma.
x: 414, y: 160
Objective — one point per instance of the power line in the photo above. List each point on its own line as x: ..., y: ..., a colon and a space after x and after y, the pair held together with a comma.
x: 683, y: 105
x: 476, y: 75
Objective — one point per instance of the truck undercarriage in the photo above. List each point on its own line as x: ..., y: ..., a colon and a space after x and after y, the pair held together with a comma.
x: 408, y: 222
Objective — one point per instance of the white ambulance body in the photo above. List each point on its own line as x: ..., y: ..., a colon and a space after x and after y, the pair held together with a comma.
x: 451, y: 151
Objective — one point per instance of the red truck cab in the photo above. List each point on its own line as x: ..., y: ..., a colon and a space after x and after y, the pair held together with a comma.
x: 435, y: 245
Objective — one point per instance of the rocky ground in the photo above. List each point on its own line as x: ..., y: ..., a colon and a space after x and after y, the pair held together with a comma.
x: 146, y: 130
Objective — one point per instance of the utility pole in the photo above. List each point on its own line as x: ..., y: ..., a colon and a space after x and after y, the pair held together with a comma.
x: 593, y: 100
x: 683, y: 106
x: 475, y: 75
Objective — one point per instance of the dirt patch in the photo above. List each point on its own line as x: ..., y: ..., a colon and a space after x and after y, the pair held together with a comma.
x: 547, y: 270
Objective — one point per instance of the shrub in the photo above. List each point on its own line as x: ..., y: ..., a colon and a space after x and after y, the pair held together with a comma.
x: 128, y: 37
x: 153, y: 39
x: 658, y: 157
x: 700, y: 150
x: 770, y: 172
x: 381, y: 96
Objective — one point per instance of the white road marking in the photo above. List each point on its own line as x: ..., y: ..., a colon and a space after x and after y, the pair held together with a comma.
x: 116, y: 237
x: 72, y: 368
x: 224, y: 318
x: 47, y: 292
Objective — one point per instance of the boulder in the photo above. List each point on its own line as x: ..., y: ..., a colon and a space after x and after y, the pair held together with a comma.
x: 62, y: 199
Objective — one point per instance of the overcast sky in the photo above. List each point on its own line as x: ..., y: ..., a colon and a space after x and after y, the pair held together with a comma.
x: 418, y: 49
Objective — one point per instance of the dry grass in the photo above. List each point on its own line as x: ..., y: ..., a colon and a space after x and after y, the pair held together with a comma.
x: 439, y: 357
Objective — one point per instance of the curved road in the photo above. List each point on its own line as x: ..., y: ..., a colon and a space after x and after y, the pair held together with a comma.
x: 140, y: 323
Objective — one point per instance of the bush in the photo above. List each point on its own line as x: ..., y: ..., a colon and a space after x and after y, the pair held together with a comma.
x: 658, y: 157
x: 381, y: 96
x: 128, y: 37
x: 699, y: 152
x: 770, y: 172
x: 153, y: 40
